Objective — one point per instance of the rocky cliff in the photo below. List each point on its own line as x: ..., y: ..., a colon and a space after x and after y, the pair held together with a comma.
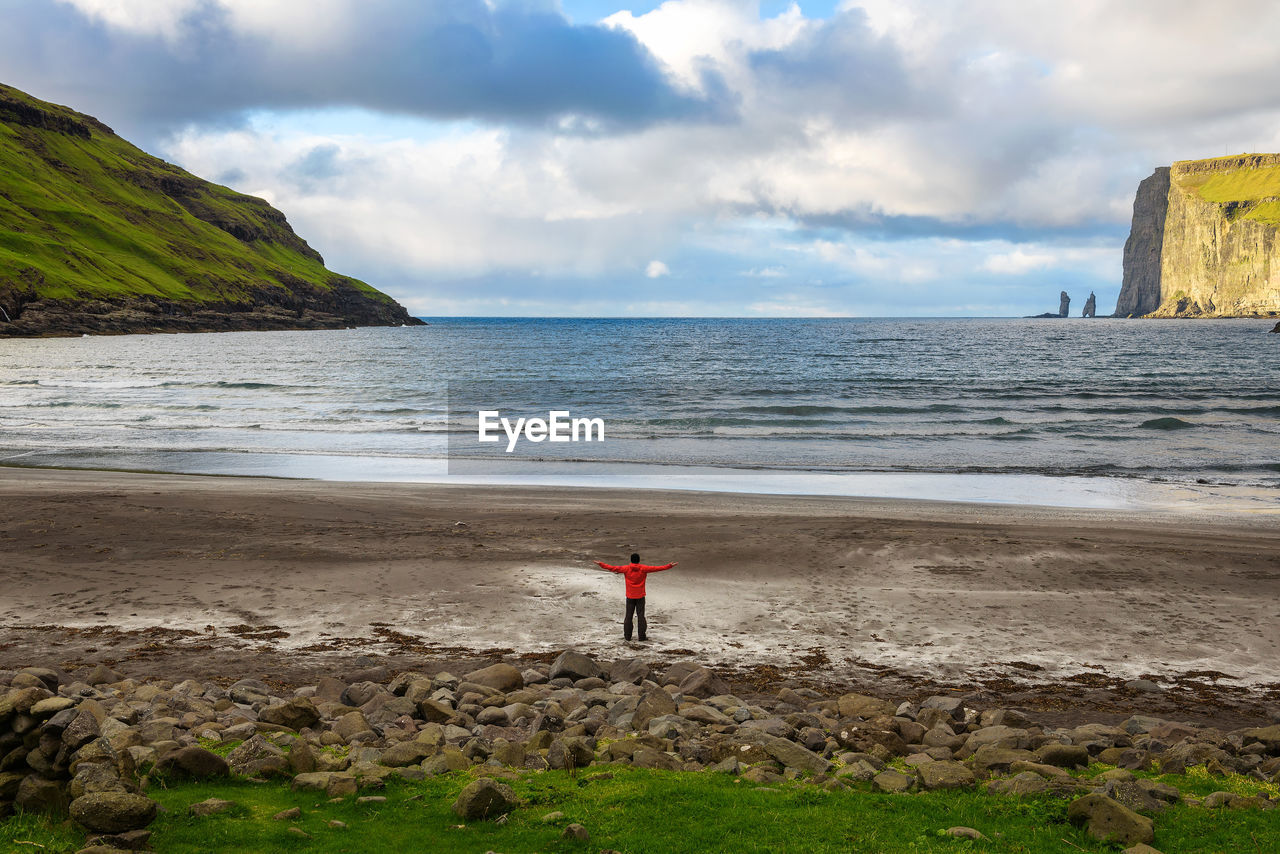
x: 98, y: 236
x: 1203, y: 241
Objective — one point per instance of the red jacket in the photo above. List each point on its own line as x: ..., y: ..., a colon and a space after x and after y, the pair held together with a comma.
x: 634, y: 573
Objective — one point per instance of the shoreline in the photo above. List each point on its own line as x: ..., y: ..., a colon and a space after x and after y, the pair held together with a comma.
x: 1053, y: 607
x: 1224, y: 501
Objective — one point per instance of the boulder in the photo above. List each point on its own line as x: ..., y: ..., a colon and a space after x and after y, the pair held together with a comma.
x: 39, y: 795
x: 113, y: 812
x: 573, y: 665
x: 258, y: 757
x: 100, y: 674
x: 484, y: 799
x: 653, y: 704
x: 631, y: 670
x: 703, y: 682
x: 793, y: 755
x: 570, y: 752
x: 892, y: 781
x: 1064, y: 755
x: 502, y: 677
x: 82, y: 730
x: 944, y: 775
x: 298, y: 713
x: 650, y: 757
x: 1110, y: 821
x: 862, y: 706
x: 194, y: 762
x: 352, y: 724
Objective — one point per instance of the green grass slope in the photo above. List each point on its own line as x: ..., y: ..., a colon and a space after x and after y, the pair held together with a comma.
x: 86, y: 216
x: 1247, y: 185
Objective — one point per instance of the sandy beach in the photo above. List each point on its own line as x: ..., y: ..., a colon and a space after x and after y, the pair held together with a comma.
x: 202, y: 575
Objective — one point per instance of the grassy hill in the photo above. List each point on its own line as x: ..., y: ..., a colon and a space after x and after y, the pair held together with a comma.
x: 96, y: 235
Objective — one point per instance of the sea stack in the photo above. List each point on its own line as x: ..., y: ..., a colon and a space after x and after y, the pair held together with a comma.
x: 1090, y: 306
x: 1203, y: 240
x: 1064, y: 304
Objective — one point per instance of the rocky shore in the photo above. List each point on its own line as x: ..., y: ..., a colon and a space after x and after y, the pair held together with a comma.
x: 90, y: 744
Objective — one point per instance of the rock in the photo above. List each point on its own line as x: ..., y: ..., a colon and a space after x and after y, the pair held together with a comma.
x: 944, y: 775
x: 258, y: 757
x: 302, y: 759
x: 1268, y: 737
x: 350, y: 725
x: 703, y: 682
x: 36, y: 794
x: 290, y: 814
x: 502, y: 677
x: 862, y: 706
x: 298, y: 713
x: 1140, y: 848
x: 570, y: 752
x: 483, y: 799
x: 653, y: 704
x: 47, y: 678
x: 1133, y: 796
x: 50, y: 706
x: 1064, y: 304
x: 130, y: 840
x: 553, y: 817
x: 100, y: 674
x: 576, y: 832
x: 212, y: 806
x: 406, y: 753
x: 194, y: 762
x: 1109, y: 821
x: 1064, y: 755
x: 648, y: 757
x: 992, y: 758
x: 1020, y: 785
x: 82, y: 730
x: 573, y: 665
x: 961, y: 832
x: 892, y: 781
x: 631, y: 670
x: 1276, y: 328
x: 793, y: 755
x: 249, y: 691
x: 113, y: 812
x: 1090, y: 306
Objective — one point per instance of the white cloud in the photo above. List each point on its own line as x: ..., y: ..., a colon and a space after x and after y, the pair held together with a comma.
x: 917, y: 120
x: 656, y: 269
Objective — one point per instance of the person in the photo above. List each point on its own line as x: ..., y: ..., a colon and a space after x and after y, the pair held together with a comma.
x: 634, y: 573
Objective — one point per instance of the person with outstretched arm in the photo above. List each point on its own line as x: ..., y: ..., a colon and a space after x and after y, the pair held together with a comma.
x: 634, y: 573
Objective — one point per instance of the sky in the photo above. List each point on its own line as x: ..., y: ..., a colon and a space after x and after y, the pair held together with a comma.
x: 685, y: 158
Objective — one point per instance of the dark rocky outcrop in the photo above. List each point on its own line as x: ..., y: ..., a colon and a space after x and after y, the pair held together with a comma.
x: 1064, y: 304
x: 1090, y: 306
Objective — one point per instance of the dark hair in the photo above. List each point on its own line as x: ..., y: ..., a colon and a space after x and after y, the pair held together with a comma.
x: 635, y: 558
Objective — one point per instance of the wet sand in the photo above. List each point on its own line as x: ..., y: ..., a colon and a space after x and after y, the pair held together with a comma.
x: 179, y: 574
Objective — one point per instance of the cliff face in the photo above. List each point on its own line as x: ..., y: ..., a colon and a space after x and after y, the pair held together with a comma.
x: 1203, y: 241
x: 99, y: 236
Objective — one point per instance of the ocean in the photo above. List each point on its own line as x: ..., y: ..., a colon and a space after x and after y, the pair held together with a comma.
x: 1100, y: 412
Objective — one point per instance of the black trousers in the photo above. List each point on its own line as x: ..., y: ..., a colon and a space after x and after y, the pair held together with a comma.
x: 634, y: 606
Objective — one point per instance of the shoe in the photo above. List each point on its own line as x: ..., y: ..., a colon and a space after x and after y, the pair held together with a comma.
x: 644, y: 637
